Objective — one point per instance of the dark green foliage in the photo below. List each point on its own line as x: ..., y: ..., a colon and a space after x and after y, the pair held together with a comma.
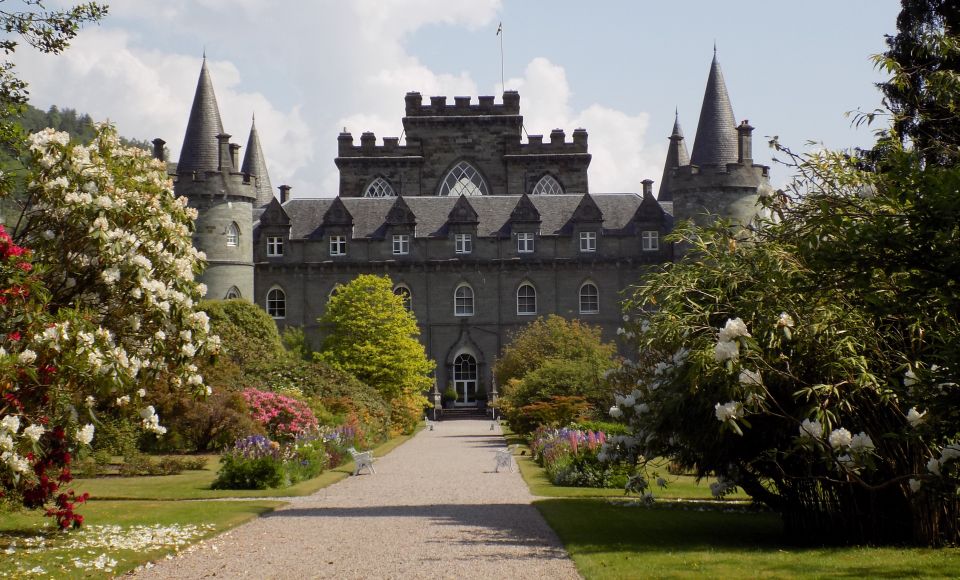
x: 585, y: 470
x: 241, y: 473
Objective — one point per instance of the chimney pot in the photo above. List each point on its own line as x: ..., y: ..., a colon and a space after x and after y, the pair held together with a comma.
x: 284, y: 193
x: 158, y: 151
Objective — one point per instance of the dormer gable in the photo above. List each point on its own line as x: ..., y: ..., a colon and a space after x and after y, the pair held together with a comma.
x: 650, y: 212
x: 525, y: 212
x: 400, y: 214
x: 587, y: 211
x: 463, y: 213
x: 274, y: 215
x: 337, y: 215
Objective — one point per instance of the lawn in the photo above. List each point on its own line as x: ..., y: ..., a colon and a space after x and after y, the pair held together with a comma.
x: 117, y: 536
x: 611, y: 540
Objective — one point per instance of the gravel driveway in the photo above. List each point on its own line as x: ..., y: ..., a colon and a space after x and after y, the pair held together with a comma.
x: 434, y: 509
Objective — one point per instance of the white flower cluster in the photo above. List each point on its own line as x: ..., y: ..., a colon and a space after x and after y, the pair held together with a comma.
x: 729, y: 411
x: 855, y: 448
x: 949, y: 453
x: 9, y: 427
x: 85, y: 434
x: 728, y: 345
x: 151, y: 421
x: 811, y: 429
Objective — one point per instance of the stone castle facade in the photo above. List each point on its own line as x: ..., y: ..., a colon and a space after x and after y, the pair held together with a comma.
x: 480, y: 232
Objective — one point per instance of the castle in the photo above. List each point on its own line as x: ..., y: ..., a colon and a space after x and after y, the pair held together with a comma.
x: 480, y: 232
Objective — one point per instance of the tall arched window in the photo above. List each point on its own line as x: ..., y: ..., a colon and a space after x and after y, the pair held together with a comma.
x: 404, y: 293
x: 548, y: 185
x: 589, y: 298
x: 232, y: 294
x: 463, y: 179
x: 465, y: 379
x: 277, y: 303
x: 233, y: 235
x: 463, y: 300
x: 379, y: 187
x: 526, y: 299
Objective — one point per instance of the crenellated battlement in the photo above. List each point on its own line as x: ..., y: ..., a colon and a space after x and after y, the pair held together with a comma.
x: 215, y: 184
x: 462, y: 107
x: 557, y: 145
x: 368, y: 146
x: 727, y: 175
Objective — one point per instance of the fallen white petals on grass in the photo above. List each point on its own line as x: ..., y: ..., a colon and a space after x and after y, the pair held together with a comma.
x: 137, y: 537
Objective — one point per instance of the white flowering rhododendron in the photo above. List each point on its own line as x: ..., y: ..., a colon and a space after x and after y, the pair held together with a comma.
x: 97, y: 300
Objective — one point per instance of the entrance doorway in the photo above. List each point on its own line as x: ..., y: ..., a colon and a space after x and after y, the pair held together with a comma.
x: 465, y: 380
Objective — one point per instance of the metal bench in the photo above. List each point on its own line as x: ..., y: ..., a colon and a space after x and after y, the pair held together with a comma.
x: 361, y: 460
x: 430, y: 424
x: 505, y: 459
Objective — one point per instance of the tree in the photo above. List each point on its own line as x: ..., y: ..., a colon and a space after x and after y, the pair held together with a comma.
x: 923, y: 92
x: 108, y: 306
x: 372, y: 336
x: 553, y: 358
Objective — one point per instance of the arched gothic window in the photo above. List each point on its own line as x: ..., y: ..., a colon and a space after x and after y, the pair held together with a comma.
x: 463, y: 179
x: 277, y: 303
x: 463, y: 300
x: 232, y: 294
x: 404, y: 293
x: 589, y: 298
x: 379, y: 187
x: 548, y: 185
x: 526, y: 299
x: 233, y: 235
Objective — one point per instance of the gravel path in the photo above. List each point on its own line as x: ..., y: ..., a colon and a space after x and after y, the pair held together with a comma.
x: 434, y: 509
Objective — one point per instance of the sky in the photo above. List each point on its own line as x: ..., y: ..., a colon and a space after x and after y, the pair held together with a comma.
x: 620, y: 69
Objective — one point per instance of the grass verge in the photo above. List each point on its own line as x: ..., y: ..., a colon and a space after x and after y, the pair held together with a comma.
x: 117, y: 536
x: 609, y: 540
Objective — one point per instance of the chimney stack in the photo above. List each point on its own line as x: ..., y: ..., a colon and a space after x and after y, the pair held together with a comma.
x: 158, y: 152
x: 745, y: 142
x: 284, y: 193
x: 223, y: 143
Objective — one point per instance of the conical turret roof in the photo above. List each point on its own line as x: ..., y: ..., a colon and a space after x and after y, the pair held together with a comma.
x: 677, y: 156
x: 200, y: 149
x: 716, y: 141
x: 255, y: 165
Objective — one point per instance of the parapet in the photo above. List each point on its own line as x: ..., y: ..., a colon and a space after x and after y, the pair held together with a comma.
x: 727, y: 175
x: 368, y: 146
x: 216, y: 184
x: 558, y: 145
x: 462, y: 107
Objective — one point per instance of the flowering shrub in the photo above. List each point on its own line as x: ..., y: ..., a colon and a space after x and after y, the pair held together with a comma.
x: 573, y: 457
x: 283, y: 417
x: 103, y: 302
x: 256, y: 462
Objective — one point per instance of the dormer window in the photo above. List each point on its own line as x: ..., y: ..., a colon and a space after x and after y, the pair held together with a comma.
x: 463, y: 243
x: 651, y: 241
x: 588, y: 241
x: 274, y: 246
x: 233, y: 235
x: 401, y: 244
x: 338, y: 245
x: 463, y: 179
x: 548, y: 185
x: 379, y: 187
x: 525, y: 243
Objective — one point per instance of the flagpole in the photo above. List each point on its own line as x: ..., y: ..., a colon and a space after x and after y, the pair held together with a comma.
x: 503, y: 85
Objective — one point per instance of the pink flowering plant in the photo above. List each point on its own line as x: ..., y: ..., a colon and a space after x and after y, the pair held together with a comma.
x: 284, y: 418
x: 572, y: 457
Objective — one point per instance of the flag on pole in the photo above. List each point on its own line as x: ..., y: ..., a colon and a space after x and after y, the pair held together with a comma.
x: 499, y: 29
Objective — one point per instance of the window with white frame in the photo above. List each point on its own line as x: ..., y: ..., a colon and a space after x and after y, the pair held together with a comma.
x: 232, y: 294
x: 463, y: 243
x: 274, y: 245
x: 379, y: 187
x: 463, y: 179
x: 588, y: 241
x: 651, y: 241
x: 548, y: 185
x: 233, y: 235
x: 338, y: 245
x: 525, y: 242
x: 589, y: 299
x: 526, y: 299
x: 404, y: 293
x: 401, y: 244
x: 463, y: 300
x: 277, y: 303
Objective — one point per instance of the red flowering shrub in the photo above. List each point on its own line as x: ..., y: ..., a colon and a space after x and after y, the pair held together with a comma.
x: 283, y: 417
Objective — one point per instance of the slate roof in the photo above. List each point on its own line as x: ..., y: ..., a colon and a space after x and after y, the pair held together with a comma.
x: 677, y: 156
x: 716, y: 140
x: 200, y: 151
x: 255, y: 164
x: 493, y: 213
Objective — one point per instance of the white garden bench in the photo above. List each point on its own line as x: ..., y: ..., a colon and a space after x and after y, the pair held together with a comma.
x: 505, y: 459
x: 361, y: 460
x: 430, y: 424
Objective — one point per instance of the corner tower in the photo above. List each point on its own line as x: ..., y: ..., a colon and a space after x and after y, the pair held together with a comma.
x: 720, y: 179
x: 208, y: 176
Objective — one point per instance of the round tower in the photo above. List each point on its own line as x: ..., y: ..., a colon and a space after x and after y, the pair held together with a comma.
x: 208, y: 176
x: 720, y: 179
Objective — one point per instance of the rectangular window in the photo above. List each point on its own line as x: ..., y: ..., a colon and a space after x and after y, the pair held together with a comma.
x: 525, y: 243
x: 274, y: 246
x: 464, y: 243
x: 401, y: 245
x: 651, y: 241
x: 588, y: 241
x: 338, y: 245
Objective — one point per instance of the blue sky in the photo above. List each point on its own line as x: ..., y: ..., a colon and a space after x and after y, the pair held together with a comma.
x: 616, y: 68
